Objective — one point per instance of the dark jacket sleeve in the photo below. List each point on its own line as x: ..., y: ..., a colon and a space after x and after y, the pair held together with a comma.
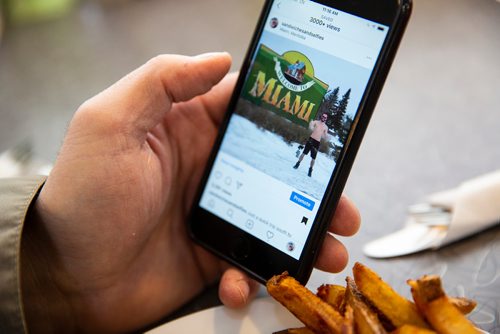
x: 16, y: 196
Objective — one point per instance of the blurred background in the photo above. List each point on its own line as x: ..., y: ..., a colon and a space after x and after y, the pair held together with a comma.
x: 53, y: 57
x: 437, y: 122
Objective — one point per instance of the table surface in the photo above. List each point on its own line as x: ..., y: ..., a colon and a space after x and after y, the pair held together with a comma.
x: 436, y: 124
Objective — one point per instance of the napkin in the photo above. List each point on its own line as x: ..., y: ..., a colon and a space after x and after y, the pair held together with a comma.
x: 443, y: 218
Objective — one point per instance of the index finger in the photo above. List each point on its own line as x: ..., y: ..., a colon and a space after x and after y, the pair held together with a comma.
x: 139, y: 101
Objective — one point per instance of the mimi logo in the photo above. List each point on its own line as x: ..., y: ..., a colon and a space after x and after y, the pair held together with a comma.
x: 285, y: 84
x: 295, y: 73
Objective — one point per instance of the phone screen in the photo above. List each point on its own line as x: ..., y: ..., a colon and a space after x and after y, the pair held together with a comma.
x: 307, y: 77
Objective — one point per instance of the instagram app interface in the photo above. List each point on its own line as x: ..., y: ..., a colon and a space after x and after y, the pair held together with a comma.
x: 300, y: 97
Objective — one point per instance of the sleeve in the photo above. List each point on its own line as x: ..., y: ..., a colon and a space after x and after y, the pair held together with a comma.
x: 16, y: 196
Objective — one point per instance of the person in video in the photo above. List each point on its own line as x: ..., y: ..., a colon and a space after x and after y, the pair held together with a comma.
x: 319, y: 131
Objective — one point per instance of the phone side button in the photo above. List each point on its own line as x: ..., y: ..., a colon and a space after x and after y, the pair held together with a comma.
x: 240, y: 249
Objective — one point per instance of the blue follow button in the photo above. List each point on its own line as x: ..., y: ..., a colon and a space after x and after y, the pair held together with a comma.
x: 302, y: 201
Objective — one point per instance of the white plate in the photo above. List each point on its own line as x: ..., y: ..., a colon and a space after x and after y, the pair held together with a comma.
x: 263, y: 315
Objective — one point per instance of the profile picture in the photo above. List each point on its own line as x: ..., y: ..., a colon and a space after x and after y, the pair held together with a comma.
x: 274, y: 22
x: 290, y: 246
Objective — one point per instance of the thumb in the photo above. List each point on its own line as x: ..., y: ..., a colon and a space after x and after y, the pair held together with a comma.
x: 236, y: 289
x: 139, y: 101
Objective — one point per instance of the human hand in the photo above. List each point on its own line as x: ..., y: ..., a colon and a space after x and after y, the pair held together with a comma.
x: 108, y: 233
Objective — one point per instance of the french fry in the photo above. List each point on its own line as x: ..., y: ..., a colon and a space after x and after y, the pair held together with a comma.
x: 439, y: 311
x: 366, y: 321
x: 426, y: 289
x: 464, y: 305
x: 317, y: 315
x: 397, y: 309
x: 333, y: 295
x: 348, y: 326
x: 446, y: 318
x: 302, y: 330
x: 409, y: 329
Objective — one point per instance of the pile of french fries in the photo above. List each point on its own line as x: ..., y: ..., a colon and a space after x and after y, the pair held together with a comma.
x: 368, y: 305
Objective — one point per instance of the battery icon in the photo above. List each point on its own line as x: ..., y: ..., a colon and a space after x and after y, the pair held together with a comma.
x: 381, y: 28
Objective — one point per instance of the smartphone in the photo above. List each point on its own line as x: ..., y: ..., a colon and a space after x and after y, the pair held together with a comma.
x: 306, y: 91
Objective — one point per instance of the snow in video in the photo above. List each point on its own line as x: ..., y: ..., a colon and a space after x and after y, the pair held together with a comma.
x: 270, y: 154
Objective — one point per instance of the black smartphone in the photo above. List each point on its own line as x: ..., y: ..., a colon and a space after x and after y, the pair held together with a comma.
x: 306, y: 91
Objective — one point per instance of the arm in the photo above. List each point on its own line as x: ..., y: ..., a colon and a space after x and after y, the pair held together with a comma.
x: 325, y: 134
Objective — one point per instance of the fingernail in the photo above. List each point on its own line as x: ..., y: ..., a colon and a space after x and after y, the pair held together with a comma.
x: 209, y: 55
